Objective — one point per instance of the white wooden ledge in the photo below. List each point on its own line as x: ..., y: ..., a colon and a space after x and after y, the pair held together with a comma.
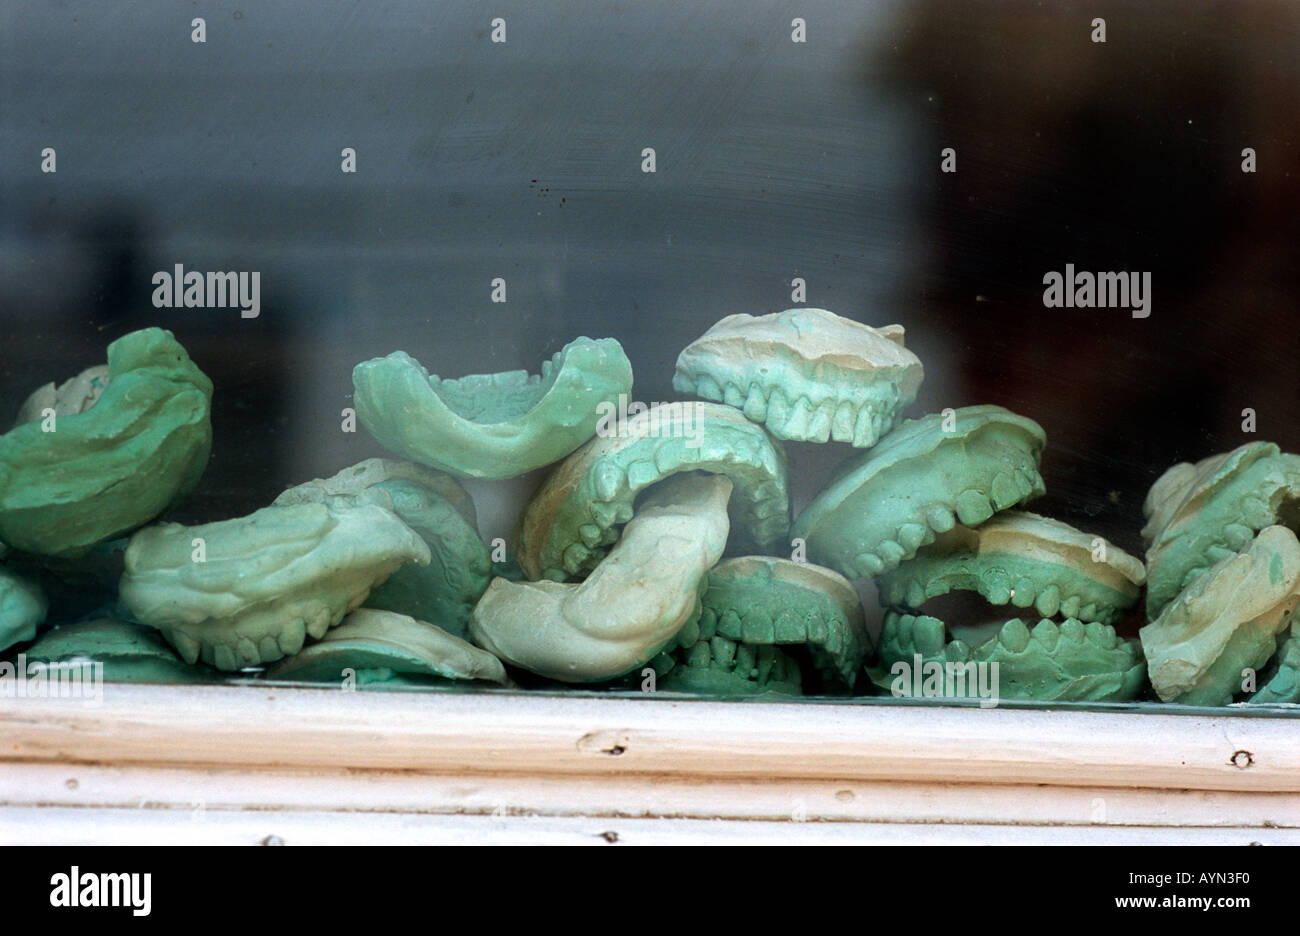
x: 241, y: 764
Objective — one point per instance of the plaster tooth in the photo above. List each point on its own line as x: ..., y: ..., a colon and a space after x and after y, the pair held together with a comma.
x: 1072, y: 629
x: 755, y: 404
x: 622, y: 512
x: 575, y: 555
x: 291, y: 638
x: 834, y: 642
x: 911, y: 536
x: 604, y: 514
x: 1005, y: 492
x: 842, y: 423
x: 958, y: 651
x: 819, y: 428
x: 607, y: 480
x: 642, y: 474
x: 778, y: 409
x: 1048, y: 601
x: 1088, y: 612
x: 707, y: 387
x: 796, y: 427
x: 724, y: 650
x: 997, y: 587
x: 185, y: 645
x: 789, y: 628
x: 973, y: 507
x: 729, y: 624
x: 732, y: 396
x: 757, y: 627
x: 1070, y: 606
x: 890, y: 552
x: 915, y: 594
x: 268, y: 649
x: 1022, y: 594
x: 708, y: 624
x: 766, y: 659
x: 1046, y: 633
x: 699, y: 655
x: 745, y: 660
x: 590, y: 534
x: 1255, y: 512
x: 247, y: 652
x: 928, y: 635
x: 318, y: 622
x: 668, y: 458
x: 1237, y: 535
x: 689, y: 635
x: 1014, y: 635
x: 940, y: 518
x: 869, y: 564
x: 818, y: 632
x: 1103, y: 636
x: 863, y: 434
x: 224, y: 658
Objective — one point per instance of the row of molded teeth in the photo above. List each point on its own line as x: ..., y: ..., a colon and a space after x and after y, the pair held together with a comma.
x: 801, y: 418
x: 615, y: 486
x: 758, y: 626
x: 928, y: 635
x: 762, y: 663
x: 196, y: 643
x: 913, y: 593
x: 972, y: 507
x: 1236, y: 538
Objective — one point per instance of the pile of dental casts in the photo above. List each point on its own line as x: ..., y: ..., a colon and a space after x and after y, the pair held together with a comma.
x: 659, y: 552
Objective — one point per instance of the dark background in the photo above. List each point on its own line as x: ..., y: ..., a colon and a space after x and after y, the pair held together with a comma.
x: 775, y: 160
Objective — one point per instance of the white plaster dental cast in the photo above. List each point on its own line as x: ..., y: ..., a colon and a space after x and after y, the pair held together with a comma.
x: 631, y: 606
x: 247, y: 591
x: 806, y: 374
x: 1227, y: 621
x: 75, y: 395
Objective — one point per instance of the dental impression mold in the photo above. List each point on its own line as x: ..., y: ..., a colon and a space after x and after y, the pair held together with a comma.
x: 380, y: 648
x: 755, y: 606
x: 119, y: 455
x: 22, y: 608
x: 575, y: 515
x: 491, y: 425
x: 242, y: 592
x: 128, y: 652
x: 1200, y: 514
x: 883, y: 505
x: 633, y: 604
x: 1226, y: 622
x: 1022, y: 559
x: 808, y: 375
x: 436, y: 507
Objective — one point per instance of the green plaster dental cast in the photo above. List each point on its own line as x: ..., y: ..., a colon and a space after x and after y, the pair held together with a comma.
x: 881, y: 506
x: 129, y: 652
x: 1200, y: 514
x: 491, y: 425
x: 435, y: 506
x: 383, y: 648
x: 634, y: 603
x: 755, y: 604
x: 1226, y: 622
x: 242, y: 592
x: 574, y: 516
x: 22, y: 609
x: 1066, y: 661
x: 806, y: 374
x: 69, y: 481
x: 1022, y: 559
x: 1280, y: 683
